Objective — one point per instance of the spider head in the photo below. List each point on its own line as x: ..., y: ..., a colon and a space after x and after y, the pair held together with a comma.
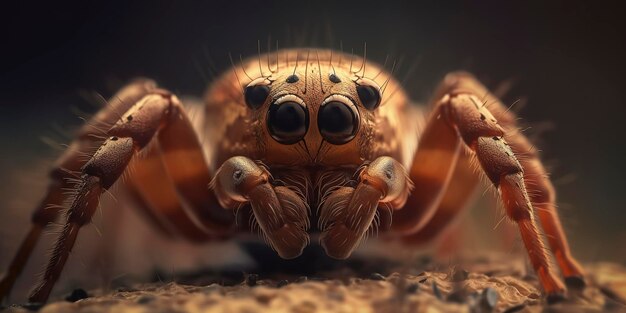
x: 315, y: 107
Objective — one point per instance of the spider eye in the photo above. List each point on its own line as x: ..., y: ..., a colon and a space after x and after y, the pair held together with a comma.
x: 292, y: 79
x: 255, y: 95
x: 337, y: 120
x: 369, y: 96
x: 288, y: 120
x: 334, y: 78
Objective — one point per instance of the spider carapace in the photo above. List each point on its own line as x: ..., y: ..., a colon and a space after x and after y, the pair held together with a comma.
x: 302, y: 141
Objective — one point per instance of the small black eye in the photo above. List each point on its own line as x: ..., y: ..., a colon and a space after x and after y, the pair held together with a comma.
x: 255, y: 95
x: 369, y: 96
x: 292, y: 79
x: 337, y: 122
x: 334, y: 78
x: 287, y: 122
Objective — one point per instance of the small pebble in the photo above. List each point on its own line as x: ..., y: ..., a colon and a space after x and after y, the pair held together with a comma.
x: 377, y: 276
x: 489, y: 299
x: 77, y: 294
x: 282, y: 283
x: 302, y: 279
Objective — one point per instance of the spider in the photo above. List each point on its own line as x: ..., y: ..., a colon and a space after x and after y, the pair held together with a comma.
x: 303, y: 141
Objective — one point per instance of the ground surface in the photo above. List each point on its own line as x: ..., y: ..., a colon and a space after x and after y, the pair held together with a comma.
x: 483, y: 285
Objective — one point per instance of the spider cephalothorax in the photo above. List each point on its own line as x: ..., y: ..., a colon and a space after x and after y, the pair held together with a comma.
x: 304, y: 111
x: 309, y: 141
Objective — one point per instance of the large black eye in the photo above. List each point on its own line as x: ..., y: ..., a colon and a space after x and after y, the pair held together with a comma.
x: 255, y: 95
x: 369, y: 96
x: 287, y: 121
x: 337, y: 122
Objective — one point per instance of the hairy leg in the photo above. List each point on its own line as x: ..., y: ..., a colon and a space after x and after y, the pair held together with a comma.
x: 66, y: 169
x: 149, y: 116
x: 464, y: 112
x: 541, y: 191
x: 281, y: 213
x: 347, y: 213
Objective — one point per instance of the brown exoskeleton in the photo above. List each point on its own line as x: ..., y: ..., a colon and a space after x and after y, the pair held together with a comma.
x: 311, y: 140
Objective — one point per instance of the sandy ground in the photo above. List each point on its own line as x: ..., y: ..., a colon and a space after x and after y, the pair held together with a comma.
x: 482, y: 285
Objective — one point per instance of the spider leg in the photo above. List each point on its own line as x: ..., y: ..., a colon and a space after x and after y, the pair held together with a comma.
x: 156, y: 113
x: 458, y: 193
x: 281, y: 213
x: 347, y: 213
x: 541, y: 191
x: 191, y: 177
x: 177, y: 200
x: 69, y: 163
x: 462, y: 110
x: 158, y: 200
x: 432, y: 169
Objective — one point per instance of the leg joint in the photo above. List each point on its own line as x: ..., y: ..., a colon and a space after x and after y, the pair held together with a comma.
x: 471, y: 117
x: 515, y: 198
x: 110, y: 160
x: 389, y: 177
x: 496, y: 158
x: 143, y: 120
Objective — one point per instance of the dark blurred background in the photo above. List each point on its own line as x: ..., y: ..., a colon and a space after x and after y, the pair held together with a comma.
x: 566, y: 59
